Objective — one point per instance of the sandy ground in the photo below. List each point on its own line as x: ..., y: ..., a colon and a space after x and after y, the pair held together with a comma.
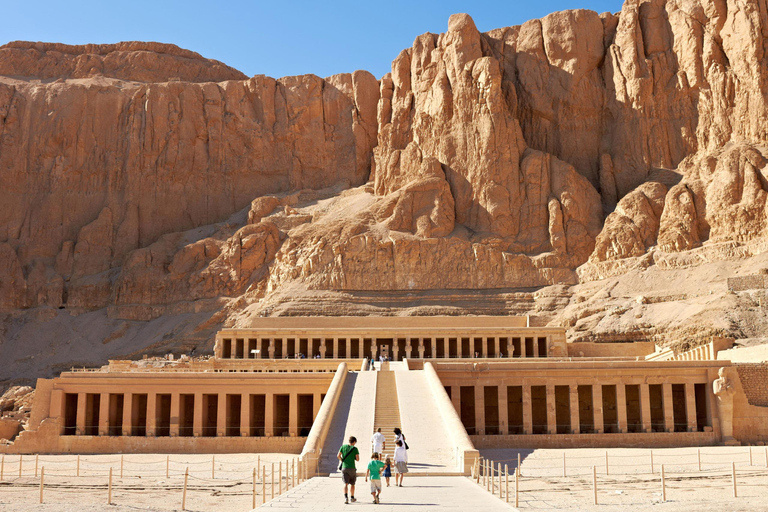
x: 629, y: 484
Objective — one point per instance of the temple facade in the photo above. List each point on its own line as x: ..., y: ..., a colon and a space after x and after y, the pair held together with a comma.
x: 493, y: 382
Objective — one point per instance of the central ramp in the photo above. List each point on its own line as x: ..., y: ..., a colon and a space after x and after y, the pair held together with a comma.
x: 387, y: 410
x: 454, y: 493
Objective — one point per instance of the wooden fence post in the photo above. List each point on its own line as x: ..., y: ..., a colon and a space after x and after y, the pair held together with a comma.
x: 213, y: 468
x: 280, y: 478
x: 272, y: 476
x: 606, y: 462
x: 184, y: 494
x: 21, y: 457
x: 37, y: 456
x: 109, y: 494
x: 518, y: 465
x: 253, y: 505
x: 42, y: 478
x: 2, y: 467
x: 78, y: 465
x: 733, y: 476
x: 121, y: 466
x: 293, y: 473
x: 563, y: 464
x: 750, y: 455
x: 651, y: 461
x: 594, y: 484
x: 663, y: 485
x: 167, y: 465
x: 517, y: 486
x: 698, y: 451
x: 264, y: 484
x: 506, y: 483
x: 286, y: 475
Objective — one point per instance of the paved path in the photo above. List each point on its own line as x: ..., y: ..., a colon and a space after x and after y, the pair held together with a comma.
x: 423, y: 494
x: 423, y: 425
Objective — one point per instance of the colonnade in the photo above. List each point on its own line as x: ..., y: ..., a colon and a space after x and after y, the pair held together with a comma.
x: 396, y: 348
x: 194, y: 414
x: 573, y: 408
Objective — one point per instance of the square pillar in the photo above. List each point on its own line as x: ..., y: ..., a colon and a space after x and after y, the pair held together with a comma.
x: 523, y: 352
x: 484, y: 351
x: 80, y: 419
x: 269, y: 415
x: 459, y: 351
x: 361, y: 347
x: 551, y: 416
x: 621, y: 406
x: 317, y: 401
x: 221, y: 415
x: 175, y: 414
x: 479, y: 410
x: 322, y: 348
x: 245, y: 415
x: 503, y: 410
x: 197, y: 416
x: 456, y: 398
x: 573, y: 394
x: 127, y: 413
x: 395, y: 350
x: 421, y: 351
x: 310, y: 344
x: 349, y: 349
x: 535, y: 346
x: 497, y: 344
x: 645, y: 407
x: 151, y: 414
x: 669, y: 415
x: 104, y: 414
x: 293, y: 415
x: 527, y: 413
x: 374, y: 349
x: 271, y: 349
x: 597, y: 407
x: 690, y: 406
x: 335, y: 348
x: 447, y: 347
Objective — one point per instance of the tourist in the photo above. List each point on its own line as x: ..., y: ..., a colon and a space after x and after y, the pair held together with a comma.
x: 348, y: 454
x: 378, y: 441
x: 387, y: 469
x: 374, y: 471
x: 400, y: 437
x: 401, y: 461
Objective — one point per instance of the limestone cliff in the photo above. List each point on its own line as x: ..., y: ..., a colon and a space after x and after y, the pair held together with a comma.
x: 161, y: 194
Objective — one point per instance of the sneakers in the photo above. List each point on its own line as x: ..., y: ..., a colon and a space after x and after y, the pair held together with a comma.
x: 346, y: 501
x: 352, y: 499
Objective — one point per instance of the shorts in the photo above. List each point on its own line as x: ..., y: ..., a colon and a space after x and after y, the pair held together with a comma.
x: 375, y: 486
x: 402, y: 467
x: 349, y: 475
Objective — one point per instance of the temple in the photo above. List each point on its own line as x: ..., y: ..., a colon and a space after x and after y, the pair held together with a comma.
x: 288, y: 384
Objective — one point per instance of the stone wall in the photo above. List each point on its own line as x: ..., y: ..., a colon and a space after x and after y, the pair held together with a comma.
x: 755, y: 281
x: 754, y: 378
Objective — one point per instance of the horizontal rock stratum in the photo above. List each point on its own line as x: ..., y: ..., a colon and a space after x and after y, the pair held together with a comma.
x: 140, y: 181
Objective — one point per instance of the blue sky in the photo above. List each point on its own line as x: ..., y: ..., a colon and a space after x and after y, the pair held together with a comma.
x: 275, y: 38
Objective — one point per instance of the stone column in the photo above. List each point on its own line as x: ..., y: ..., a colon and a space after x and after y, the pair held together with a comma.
x: 497, y: 344
x: 310, y: 345
x: 151, y: 414
x: 669, y: 415
x: 197, y: 416
x: 621, y: 406
x: 597, y: 407
x: 484, y: 351
x: 269, y: 415
x: 104, y: 414
x: 221, y: 415
x: 127, y: 413
x: 535, y: 347
x: 459, y: 350
x: 348, y: 353
x: 335, y: 348
x: 395, y: 349
x: 503, y: 409
x: 690, y: 406
x: 645, y: 407
x: 479, y: 410
x: 456, y: 398
x: 316, y: 403
x: 523, y: 352
x: 573, y: 394
x: 293, y: 415
x: 527, y: 412
x: 446, y: 348
x: 510, y: 348
x: 374, y: 349
x: 551, y: 415
x: 245, y: 415
x: 421, y: 348
x: 175, y: 414
x: 322, y: 348
x: 361, y: 347
x: 80, y: 418
x: 271, y: 349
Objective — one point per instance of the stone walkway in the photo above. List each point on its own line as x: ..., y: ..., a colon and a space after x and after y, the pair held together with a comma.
x: 423, y: 494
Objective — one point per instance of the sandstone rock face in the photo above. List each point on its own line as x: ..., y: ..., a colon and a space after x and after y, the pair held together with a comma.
x: 134, y: 61
x: 141, y: 179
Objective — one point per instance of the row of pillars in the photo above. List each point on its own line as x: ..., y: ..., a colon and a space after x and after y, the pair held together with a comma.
x: 343, y: 348
x: 583, y: 408
x: 192, y: 414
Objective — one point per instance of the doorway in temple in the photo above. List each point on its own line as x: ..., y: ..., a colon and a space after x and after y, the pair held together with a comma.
x: 385, y: 348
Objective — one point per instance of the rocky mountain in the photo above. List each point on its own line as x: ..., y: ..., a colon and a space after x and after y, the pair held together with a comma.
x: 606, y: 172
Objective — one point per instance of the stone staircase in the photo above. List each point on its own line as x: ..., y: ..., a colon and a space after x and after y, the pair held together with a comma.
x: 387, y: 410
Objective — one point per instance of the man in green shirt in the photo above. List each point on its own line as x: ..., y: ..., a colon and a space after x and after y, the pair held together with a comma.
x: 374, y: 470
x: 348, y: 454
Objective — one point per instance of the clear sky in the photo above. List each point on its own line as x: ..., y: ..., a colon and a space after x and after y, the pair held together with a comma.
x: 275, y: 38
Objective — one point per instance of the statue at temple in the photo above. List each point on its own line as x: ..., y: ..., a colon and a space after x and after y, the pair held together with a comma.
x: 723, y: 389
